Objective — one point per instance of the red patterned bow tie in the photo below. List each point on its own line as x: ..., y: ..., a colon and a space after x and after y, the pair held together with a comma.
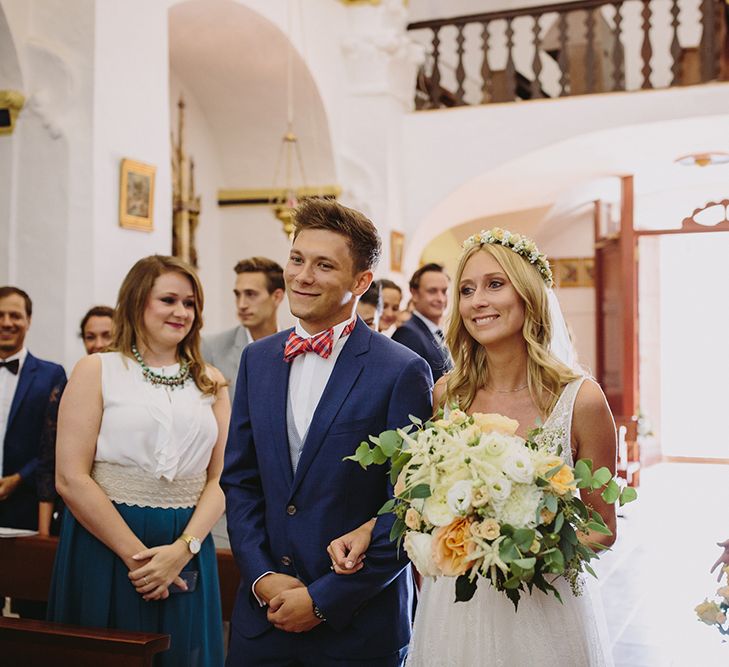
x: 322, y: 343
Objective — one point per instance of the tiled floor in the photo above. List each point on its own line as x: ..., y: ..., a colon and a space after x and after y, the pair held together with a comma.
x: 658, y: 569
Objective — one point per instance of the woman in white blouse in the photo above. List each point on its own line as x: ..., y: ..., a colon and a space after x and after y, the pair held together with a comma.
x: 141, y: 433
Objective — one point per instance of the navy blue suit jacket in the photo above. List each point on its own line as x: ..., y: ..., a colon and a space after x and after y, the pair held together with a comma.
x: 26, y: 422
x: 283, y: 522
x: 415, y: 335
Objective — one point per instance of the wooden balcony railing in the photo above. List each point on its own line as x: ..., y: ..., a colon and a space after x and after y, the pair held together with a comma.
x: 569, y: 48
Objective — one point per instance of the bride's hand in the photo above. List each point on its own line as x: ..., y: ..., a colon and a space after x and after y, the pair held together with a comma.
x: 348, y: 551
x: 724, y: 558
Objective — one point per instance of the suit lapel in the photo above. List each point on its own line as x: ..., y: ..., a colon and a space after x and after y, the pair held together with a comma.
x: 423, y: 327
x: 347, y: 369
x: 279, y: 379
x: 27, y: 375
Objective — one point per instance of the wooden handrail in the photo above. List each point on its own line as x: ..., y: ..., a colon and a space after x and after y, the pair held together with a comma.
x: 485, y: 17
x: 582, y: 52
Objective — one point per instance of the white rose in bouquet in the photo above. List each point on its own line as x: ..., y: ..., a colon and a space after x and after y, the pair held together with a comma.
x: 459, y: 497
x: 518, y: 465
x: 419, y: 547
x: 493, y: 443
x: 437, y: 512
x: 499, y: 487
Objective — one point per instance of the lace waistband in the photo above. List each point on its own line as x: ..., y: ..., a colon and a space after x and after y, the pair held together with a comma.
x: 133, y: 486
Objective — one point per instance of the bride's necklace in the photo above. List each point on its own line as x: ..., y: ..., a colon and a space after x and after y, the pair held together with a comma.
x: 159, y: 380
x: 508, y: 391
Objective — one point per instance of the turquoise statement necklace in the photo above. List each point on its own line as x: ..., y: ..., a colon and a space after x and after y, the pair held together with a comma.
x: 159, y: 380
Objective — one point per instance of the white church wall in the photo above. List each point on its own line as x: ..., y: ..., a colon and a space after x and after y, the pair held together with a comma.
x: 131, y: 120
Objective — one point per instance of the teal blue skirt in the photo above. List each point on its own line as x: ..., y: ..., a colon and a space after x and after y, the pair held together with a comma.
x: 91, y: 587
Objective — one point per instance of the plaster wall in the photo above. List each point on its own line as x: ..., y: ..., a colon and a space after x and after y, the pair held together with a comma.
x: 131, y: 120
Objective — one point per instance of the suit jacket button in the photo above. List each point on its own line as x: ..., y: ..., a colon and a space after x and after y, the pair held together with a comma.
x: 285, y: 561
x: 291, y: 510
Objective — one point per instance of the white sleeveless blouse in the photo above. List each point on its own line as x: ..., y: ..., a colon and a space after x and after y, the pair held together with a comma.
x: 167, y: 433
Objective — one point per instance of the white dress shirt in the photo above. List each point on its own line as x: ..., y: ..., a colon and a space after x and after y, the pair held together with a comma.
x: 307, y: 380
x: 309, y: 376
x: 432, y: 326
x: 8, y: 385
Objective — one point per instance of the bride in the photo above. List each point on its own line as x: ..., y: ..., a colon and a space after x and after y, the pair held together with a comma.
x: 502, y: 338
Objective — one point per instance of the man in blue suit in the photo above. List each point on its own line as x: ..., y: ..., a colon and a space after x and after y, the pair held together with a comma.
x: 422, y: 332
x: 26, y: 384
x: 305, y: 399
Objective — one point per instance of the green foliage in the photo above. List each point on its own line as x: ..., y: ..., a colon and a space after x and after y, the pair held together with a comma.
x: 628, y: 495
x: 611, y: 492
x: 465, y: 588
x: 388, y: 507
x: 583, y: 473
x: 601, y: 477
x: 419, y: 491
x: 523, y: 538
x: 397, y: 530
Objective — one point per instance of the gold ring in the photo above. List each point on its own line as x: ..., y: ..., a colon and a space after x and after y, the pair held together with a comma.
x: 146, y: 581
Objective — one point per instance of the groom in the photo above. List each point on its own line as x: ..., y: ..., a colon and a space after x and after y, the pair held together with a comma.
x: 305, y: 399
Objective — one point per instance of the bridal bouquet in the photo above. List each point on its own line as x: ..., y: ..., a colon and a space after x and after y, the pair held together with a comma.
x: 473, y: 500
x: 713, y: 612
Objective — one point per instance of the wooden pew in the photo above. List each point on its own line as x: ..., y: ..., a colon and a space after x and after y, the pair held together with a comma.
x: 42, y: 644
x: 26, y: 566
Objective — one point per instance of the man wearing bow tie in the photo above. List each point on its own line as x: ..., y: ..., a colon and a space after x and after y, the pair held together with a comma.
x: 305, y: 399
x: 25, y: 386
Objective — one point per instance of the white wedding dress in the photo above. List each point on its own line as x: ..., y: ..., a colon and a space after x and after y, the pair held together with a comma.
x: 485, y: 631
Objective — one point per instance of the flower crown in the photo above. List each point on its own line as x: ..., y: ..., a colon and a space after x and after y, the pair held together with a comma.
x: 521, y: 245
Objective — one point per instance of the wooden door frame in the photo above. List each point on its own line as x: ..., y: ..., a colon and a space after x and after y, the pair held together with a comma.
x: 628, y: 237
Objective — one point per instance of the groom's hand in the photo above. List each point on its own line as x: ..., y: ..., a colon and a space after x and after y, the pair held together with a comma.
x: 273, y: 584
x: 293, y: 611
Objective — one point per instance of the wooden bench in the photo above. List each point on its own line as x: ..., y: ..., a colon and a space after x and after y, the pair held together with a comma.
x: 42, y: 644
x: 26, y: 566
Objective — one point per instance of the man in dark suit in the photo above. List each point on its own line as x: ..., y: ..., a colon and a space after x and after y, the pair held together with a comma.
x: 26, y: 383
x: 305, y: 399
x: 422, y: 332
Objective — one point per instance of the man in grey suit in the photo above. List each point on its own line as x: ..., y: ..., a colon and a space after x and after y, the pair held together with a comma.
x: 259, y: 290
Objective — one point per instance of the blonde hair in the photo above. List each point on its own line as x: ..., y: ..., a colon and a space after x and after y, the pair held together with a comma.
x: 132, y: 301
x: 546, y: 375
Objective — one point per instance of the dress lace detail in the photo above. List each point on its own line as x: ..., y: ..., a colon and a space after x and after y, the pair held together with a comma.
x: 486, y: 630
x: 133, y: 486
x: 557, y: 430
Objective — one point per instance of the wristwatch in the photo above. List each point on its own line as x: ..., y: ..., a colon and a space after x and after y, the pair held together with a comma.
x: 193, y: 544
x: 318, y: 612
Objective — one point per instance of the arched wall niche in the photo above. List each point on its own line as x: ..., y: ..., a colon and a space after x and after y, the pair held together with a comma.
x: 230, y: 62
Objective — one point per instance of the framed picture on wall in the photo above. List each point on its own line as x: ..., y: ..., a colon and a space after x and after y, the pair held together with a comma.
x: 574, y: 271
x: 136, y: 195
x: 397, y: 244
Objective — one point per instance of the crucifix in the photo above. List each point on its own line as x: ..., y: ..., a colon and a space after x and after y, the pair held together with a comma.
x: 185, y: 203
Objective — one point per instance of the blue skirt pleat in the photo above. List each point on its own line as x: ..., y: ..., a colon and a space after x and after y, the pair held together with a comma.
x: 91, y: 587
